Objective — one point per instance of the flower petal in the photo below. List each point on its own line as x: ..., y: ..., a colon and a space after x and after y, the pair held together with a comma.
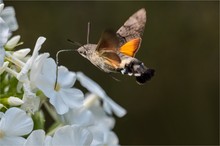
x: 1, y: 6
x: 90, y: 84
x: 59, y: 105
x: 66, y: 79
x: 31, y: 60
x: 4, y: 32
x: 117, y: 109
x: 48, y: 141
x: 110, y: 138
x: 72, y: 136
x: 12, y: 141
x: 16, y: 122
x: 72, y: 97
x: 36, y: 138
x: 109, y: 104
x: 37, y: 47
x: 8, y: 15
x: 79, y: 116
x: 43, y: 74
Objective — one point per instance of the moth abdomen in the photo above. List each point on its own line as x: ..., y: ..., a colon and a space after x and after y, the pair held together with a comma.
x: 138, y: 69
x: 146, y: 76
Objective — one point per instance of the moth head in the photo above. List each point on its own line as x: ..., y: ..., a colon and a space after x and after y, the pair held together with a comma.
x: 82, y: 50
x: 86, y: 50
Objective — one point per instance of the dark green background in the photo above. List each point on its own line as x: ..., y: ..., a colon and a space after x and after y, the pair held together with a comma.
x: 180, y: 105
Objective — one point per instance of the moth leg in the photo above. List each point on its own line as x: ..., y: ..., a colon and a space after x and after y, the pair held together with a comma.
x: 110, y: 74
x: 127, y: 70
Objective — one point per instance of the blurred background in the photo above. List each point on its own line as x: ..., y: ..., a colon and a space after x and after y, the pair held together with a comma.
x: 180, y: 105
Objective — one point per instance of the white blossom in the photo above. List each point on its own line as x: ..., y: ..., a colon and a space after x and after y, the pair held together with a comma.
x: 63, y: 96
x: 14, y: 124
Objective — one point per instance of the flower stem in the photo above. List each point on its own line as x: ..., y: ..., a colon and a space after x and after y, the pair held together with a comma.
x: 14, y: 73
x: 14, y: 60
x: 50, y: 111
x: 54, y: 127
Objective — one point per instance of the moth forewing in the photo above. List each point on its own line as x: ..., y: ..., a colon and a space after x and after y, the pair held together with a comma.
x: 133, y: 27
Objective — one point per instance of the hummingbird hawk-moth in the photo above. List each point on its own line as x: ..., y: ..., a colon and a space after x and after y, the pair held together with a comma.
x: 115, y: 52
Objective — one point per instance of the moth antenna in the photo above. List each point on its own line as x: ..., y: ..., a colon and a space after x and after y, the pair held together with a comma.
x: 57, y: 62
x: 76, y: 43
x: 88, y: 32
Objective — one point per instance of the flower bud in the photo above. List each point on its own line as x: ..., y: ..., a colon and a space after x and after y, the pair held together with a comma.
x: 20, y: 54
x: 15, y: 101
x: 13, y: 42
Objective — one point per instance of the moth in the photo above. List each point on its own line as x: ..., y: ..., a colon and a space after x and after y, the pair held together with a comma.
x: 115, y: 51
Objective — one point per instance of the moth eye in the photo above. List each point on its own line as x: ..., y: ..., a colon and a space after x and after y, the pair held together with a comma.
x: 82, y: 52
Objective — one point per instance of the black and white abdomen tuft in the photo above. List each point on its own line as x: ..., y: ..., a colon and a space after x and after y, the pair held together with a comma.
x: 146, y: 76
x: 137, y: 68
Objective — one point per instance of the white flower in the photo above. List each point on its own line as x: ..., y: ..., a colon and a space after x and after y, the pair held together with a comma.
x: 108, y: 104
x: 8, y: 15
x: 72, y: 136
x: 63, y: 96
x: 14, y: 124
x: 38, y: 138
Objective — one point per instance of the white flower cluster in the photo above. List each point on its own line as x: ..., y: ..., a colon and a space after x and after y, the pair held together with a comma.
x: 30, y: 82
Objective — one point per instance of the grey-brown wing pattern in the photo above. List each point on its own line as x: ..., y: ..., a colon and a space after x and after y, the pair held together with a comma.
x: 133, y: 28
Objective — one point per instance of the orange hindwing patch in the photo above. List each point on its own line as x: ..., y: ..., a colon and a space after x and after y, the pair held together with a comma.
x: 131, y: 47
